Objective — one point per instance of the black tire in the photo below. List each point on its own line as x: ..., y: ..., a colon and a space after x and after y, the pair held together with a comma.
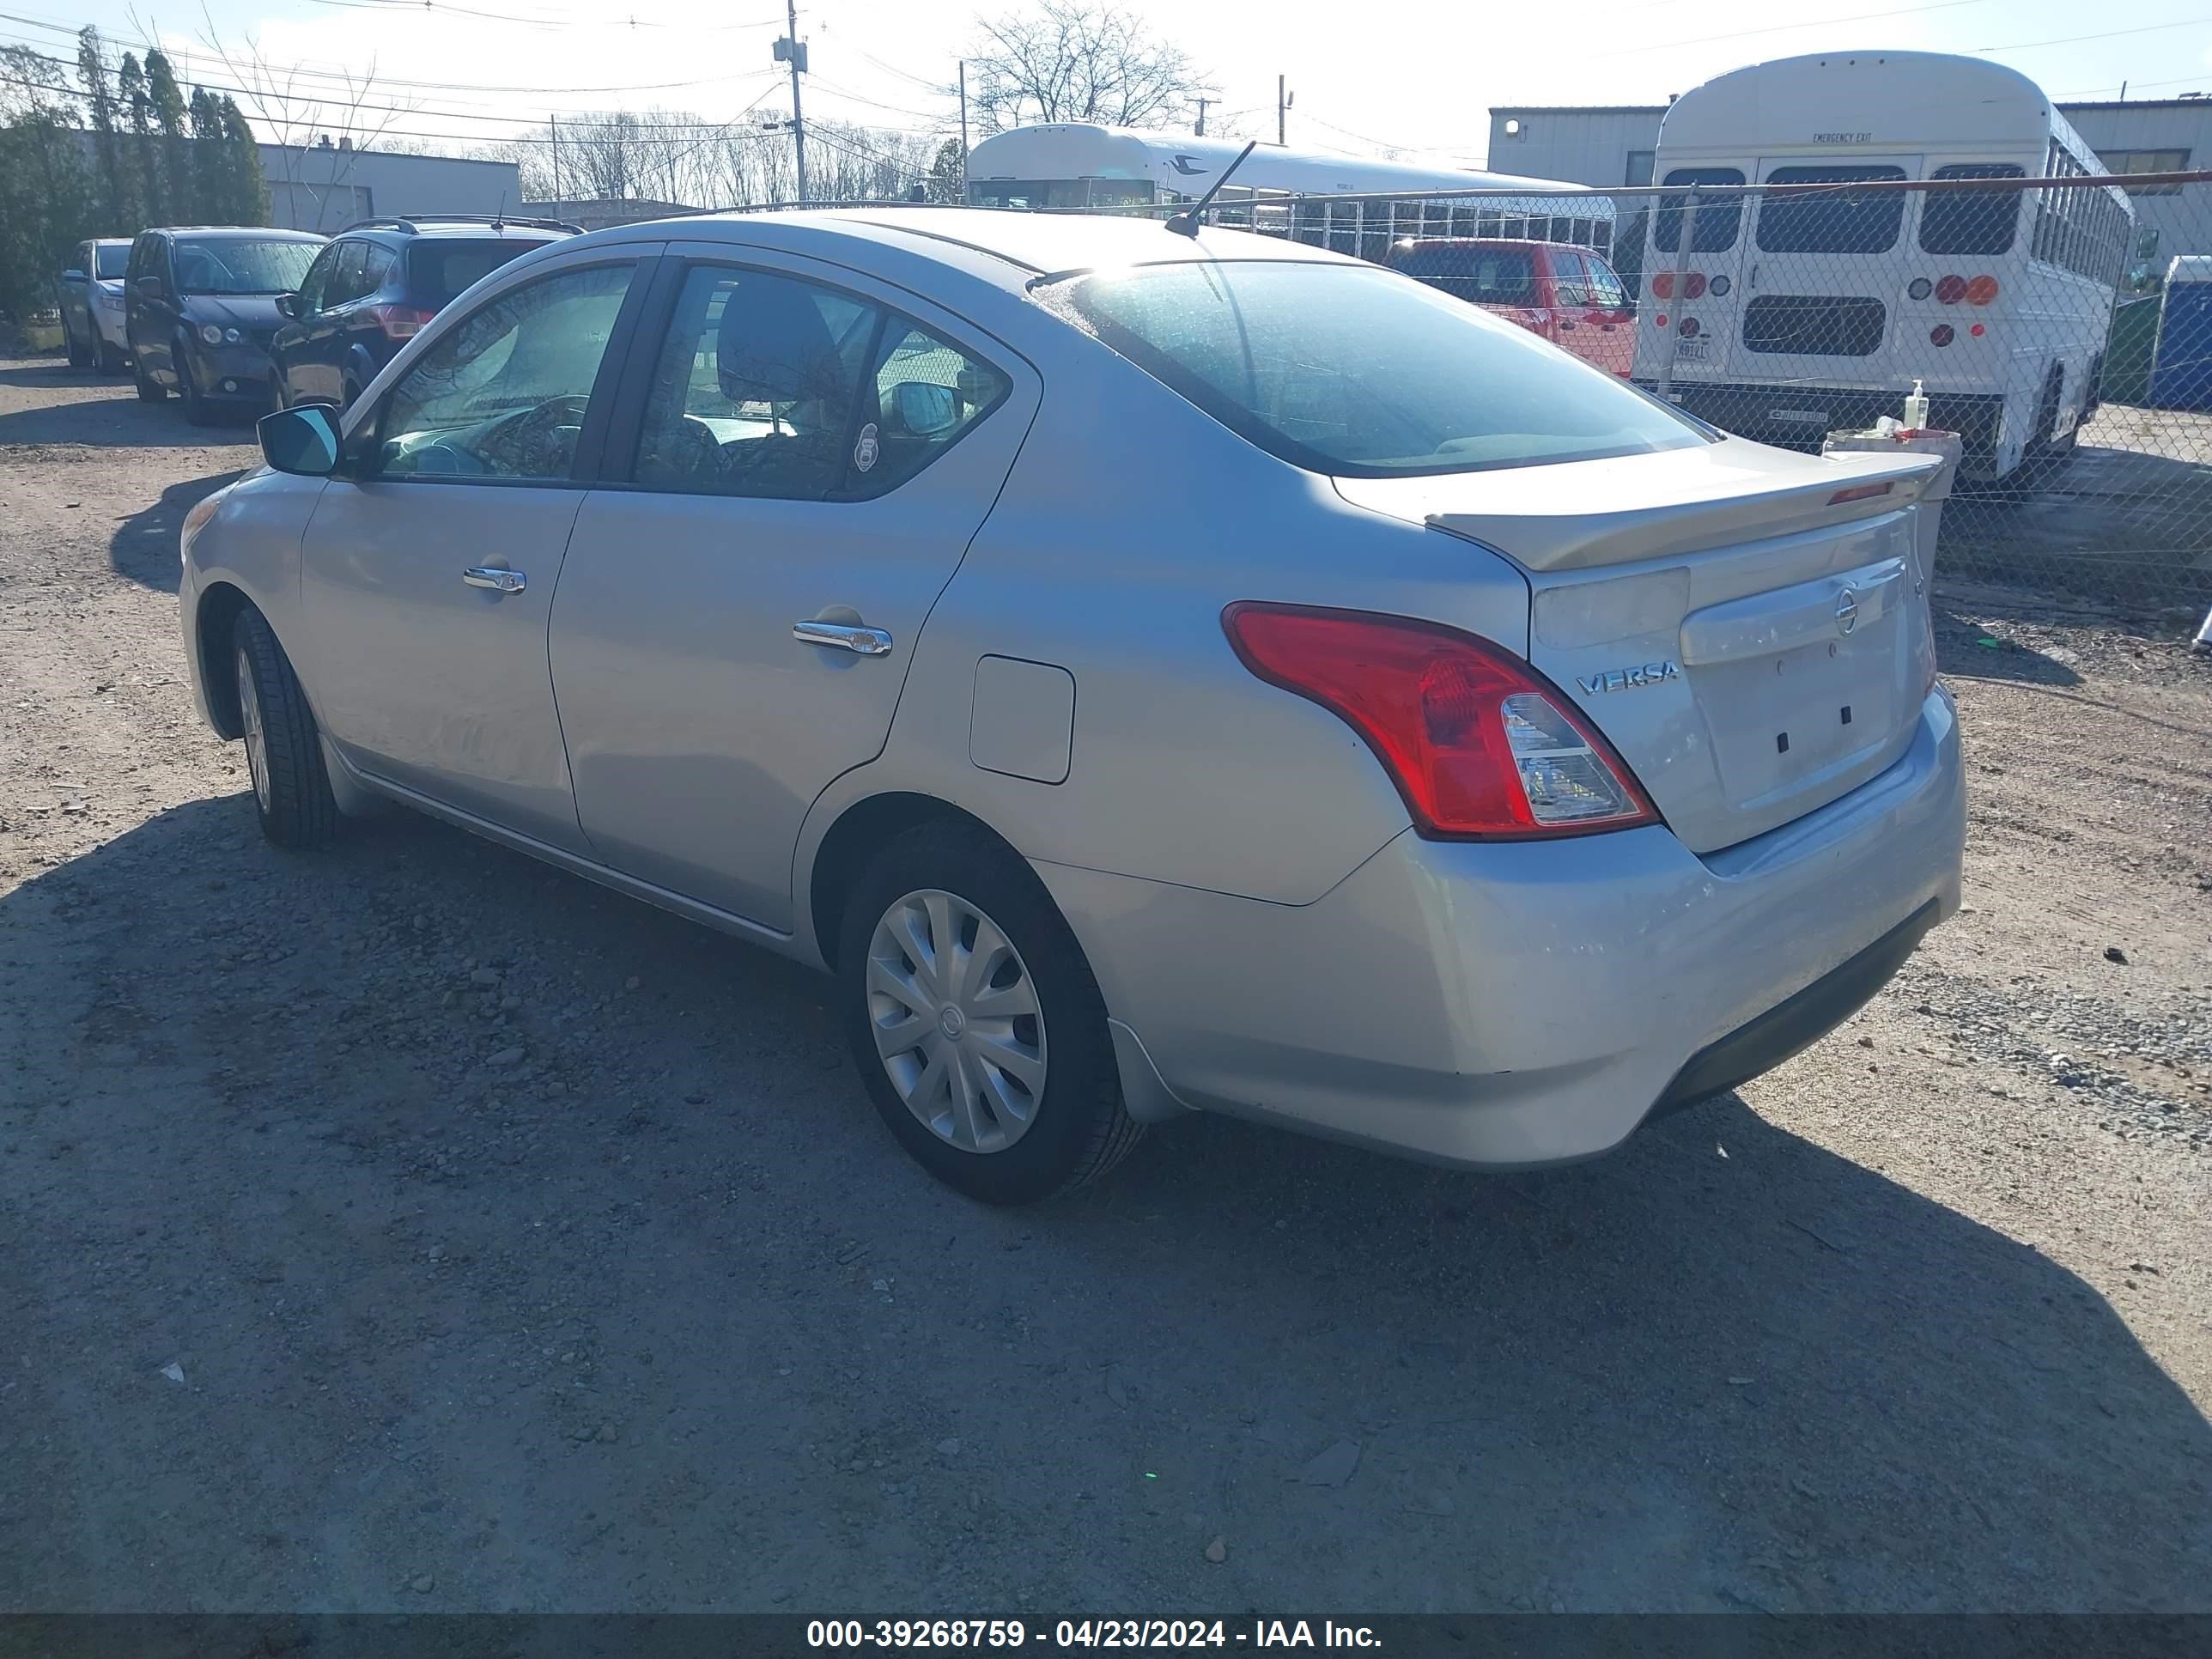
x: 198, y: 409
x: 291, y: 787
x: 347, y: 391
x: 110, y: 358
x: 79, y: 357
x: 276, y: 399
x: 1080, y: 1129
x: 150, y: 390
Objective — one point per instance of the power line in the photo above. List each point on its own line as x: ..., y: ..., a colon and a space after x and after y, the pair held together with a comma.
x: 1783, y: 28
x: 2108, y: 34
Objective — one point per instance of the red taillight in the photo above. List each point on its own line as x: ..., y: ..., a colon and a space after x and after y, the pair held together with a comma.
x: 1977, y: 331
x: 1693, y: 285
x: 1981, y: 290
x: 1949, y: 290
x: 1659, y: 321
x: 400, y: 322
x: 1479, y: 744
x: 1663, y: 285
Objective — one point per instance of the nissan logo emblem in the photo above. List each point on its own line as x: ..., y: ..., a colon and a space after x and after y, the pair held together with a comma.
x: 1847, y: 610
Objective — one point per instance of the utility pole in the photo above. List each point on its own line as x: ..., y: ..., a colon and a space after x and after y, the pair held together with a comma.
x: 964, y: 129
x: 1202, y: 103
x: 793, y: 50
x: 1284, y: 100
x: 553, y: 122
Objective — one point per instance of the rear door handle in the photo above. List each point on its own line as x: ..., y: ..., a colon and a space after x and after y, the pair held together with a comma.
x: 844, y: 636
x: 498, y: 581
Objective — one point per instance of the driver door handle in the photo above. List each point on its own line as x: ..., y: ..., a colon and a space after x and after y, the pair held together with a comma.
x: 844, y: 636
x: 498, y: 581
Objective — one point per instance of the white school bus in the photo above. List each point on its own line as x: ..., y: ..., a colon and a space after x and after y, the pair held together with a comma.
x: 1789, y: 315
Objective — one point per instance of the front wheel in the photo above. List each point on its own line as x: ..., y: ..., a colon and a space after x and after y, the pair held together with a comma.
x: 110, y: 358
x: 975, y: 1021
x: 78, y: 357
x: 283, y: 751
x: 150, y: 390
x: 198, y: 409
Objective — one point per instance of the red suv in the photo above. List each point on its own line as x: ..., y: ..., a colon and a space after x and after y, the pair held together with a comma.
x: 1567, y: 295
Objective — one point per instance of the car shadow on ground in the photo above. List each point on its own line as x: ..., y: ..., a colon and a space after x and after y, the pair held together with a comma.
x: 1981, y: 647
x: 110, y: 415
x: 144, y: 547
x: 1721, y: 1368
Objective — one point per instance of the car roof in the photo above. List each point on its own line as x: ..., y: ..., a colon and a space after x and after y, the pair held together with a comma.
x: 478, y: 230
x: 1010, y: 245
x: 259, y: 233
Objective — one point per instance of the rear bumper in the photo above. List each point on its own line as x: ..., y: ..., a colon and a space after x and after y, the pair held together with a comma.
x: 1504, y: 1005
x: 1779, y: 414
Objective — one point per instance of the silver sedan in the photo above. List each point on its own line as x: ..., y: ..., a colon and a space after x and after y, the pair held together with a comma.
x: 1154, y: 673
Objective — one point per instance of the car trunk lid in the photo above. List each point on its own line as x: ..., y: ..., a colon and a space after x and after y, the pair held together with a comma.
x: 1747, y: 627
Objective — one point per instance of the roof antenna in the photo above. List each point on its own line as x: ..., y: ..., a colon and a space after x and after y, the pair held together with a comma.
x: 1187, y: 222
x: 498, y: 219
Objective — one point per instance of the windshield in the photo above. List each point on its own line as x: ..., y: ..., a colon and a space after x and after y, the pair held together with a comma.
x: 1360, y: 373
x: 236, y: 265
x: 111, y: 262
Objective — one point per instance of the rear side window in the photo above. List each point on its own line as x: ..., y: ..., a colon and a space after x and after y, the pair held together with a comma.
x: 440, y: 270
x: 1569, y: 282
x: 1838, y: 220
x: 1719, y: 218
x: 1344, y: 369
x: 770, y: 386
x: 1977, y: 222
x: 1480, y: 276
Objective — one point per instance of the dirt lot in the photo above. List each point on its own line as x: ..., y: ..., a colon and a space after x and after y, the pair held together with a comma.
x: 306, y: 1303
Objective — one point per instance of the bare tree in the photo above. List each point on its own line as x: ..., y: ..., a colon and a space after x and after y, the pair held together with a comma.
x: 1071, y: 60
x: 317, y: 128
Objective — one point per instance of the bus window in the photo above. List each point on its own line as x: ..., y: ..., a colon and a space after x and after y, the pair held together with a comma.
x: 1718, y: 220
x: 1831, y: 222
x: 1981, y: 222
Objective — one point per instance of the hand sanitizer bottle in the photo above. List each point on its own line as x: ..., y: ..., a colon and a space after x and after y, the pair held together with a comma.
x: 1916, y: 408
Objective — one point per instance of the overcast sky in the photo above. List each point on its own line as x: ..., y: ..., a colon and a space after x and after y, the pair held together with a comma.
x: 1417, y: 78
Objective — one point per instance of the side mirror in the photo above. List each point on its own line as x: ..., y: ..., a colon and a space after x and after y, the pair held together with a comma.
x: 925, y: 410
x: 72, y: 275
x: 287, y: 305
x: 303, y: 442
x: 149, y: 288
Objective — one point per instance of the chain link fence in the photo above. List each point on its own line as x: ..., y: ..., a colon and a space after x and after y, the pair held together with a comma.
x: 2062, y: 326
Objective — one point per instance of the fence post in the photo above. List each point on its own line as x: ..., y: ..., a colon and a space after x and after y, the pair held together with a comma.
x: 1688, y: 235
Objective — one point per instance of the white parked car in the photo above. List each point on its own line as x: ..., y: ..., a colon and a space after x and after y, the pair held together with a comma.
x: 1154, y: 673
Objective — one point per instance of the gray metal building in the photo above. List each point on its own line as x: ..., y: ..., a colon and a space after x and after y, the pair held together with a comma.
x: 326, y: 186
x: 1612, y: 145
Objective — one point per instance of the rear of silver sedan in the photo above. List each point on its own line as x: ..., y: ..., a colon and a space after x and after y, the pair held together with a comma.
x: 1689, y: 822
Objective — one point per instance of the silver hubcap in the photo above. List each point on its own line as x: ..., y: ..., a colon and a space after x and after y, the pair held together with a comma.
x: 955, y: 1020
x: 257, y: 745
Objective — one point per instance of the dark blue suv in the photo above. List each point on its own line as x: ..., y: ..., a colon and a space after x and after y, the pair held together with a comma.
x: 375, y: 286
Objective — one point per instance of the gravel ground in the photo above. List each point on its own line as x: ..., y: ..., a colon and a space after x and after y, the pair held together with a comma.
x: 412, y: 1227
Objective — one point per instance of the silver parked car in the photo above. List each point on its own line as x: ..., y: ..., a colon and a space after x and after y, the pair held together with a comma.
x: 1152, y: 672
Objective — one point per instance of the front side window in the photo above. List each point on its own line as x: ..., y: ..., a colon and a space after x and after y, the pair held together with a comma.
x: 504, y: 394
x: 1836, y: 220
x: 316, y: 283
x: 1569, y: 282
x: 344, y: 285
x: 240, y: 265
x: 1606, y: 291
x: 1347, y: 370
x: 1719, y: 217
x: 771, y: 386
x: 1980, y: 223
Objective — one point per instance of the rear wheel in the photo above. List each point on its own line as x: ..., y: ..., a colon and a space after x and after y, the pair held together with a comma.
x: 283, y: 751
x: 276, y: 399
x: 975, y: 1021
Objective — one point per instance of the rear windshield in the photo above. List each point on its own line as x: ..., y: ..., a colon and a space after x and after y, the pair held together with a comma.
x: 1718, y: 217
x: 440, y: 270
x: 1354, y: 371
x: 235, y: 264
x: 1838, y: 220
x: 112, y: 261
x: 1485, y: 275
x: 1980, y: 222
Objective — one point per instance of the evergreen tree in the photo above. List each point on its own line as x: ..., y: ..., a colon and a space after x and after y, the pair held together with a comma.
x: 138, y: 110
x: 118, y: 212
x: 210, y: 163
x: 249, y: 202
x: 167, y: 99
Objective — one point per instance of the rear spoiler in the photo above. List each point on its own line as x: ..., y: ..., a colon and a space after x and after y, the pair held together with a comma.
x: 1614, y: 511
